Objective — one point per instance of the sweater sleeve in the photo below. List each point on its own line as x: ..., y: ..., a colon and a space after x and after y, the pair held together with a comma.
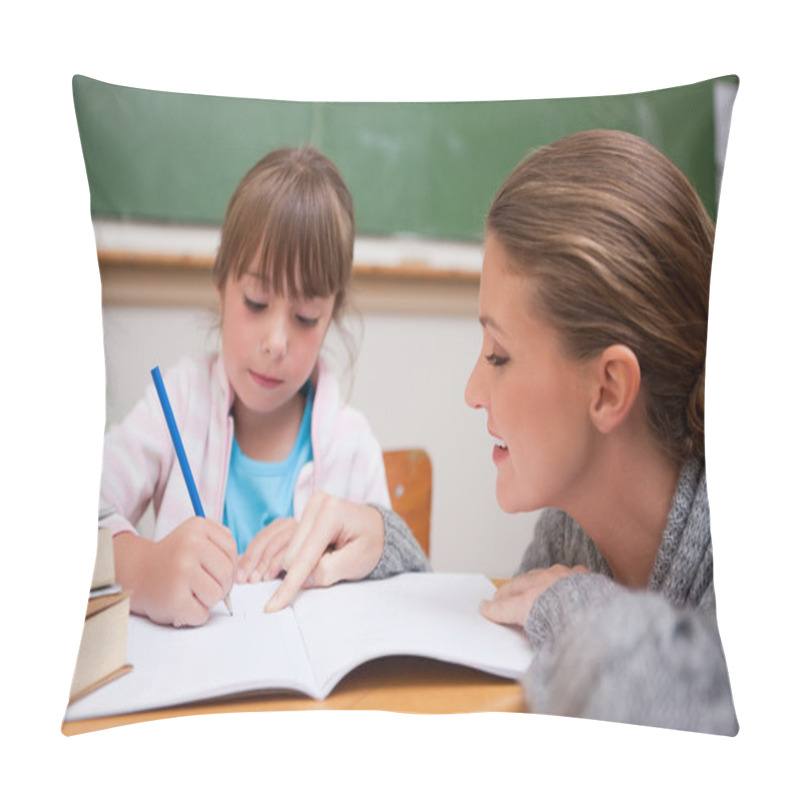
x: 556, y: 608
x: 602, y: 651
x: 401, y: 551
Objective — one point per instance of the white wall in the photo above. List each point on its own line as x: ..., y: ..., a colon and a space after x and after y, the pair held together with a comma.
x: 409, y: 382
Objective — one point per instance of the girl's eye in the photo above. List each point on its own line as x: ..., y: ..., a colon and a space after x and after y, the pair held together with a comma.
x: 307, y: 322
x: 496, y: 360
x: 254, y: 305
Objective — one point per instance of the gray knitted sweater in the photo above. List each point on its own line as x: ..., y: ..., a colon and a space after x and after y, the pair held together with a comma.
x: 602, y: 651
x: 401, y: 552
x: 651, y: 657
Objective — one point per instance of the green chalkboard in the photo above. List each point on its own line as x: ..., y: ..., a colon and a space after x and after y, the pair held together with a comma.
x: 429, y: 169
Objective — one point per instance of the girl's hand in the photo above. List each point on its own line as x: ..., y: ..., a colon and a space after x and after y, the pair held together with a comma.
x: 336, y: 540
x: 513, y: 601
x: 179, y: 579
x: 263, y: 558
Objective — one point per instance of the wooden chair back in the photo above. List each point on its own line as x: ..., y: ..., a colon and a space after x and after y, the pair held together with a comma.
x: 410, y: 478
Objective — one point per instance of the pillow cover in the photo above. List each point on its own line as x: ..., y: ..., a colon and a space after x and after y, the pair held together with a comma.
x: 161, y: 167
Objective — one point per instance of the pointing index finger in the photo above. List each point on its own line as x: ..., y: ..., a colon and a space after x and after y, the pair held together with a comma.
x: 300, y: 560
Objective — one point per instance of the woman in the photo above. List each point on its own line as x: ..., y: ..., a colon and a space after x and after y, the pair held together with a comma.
x: 594, y: 309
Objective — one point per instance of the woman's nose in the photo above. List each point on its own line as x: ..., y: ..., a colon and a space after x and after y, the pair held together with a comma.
x: 473, y: 392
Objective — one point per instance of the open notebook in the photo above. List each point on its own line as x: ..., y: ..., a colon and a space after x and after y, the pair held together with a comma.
x: 311, y: 646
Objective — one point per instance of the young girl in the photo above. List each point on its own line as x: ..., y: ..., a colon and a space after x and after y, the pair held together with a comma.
x: 261, y: 421
x: 594, y: 307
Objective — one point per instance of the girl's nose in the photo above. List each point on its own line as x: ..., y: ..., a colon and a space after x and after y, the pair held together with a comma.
x: 275, y: 341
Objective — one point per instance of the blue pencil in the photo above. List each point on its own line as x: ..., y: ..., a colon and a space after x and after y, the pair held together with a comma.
x: 177, y: 443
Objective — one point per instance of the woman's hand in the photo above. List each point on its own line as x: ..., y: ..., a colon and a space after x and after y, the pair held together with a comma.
x: 513, y: 601
x: 179, y: 579
x: 263, y: 558
x: 336, y: 540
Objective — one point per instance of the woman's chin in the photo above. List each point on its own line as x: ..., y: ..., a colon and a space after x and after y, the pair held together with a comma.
x: 506, y: 499
x: 513, y: 501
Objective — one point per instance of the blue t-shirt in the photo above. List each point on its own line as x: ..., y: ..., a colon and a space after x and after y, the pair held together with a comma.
x: 259, y: 492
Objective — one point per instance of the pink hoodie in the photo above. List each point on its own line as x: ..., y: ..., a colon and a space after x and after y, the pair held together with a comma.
x: 139, y: 463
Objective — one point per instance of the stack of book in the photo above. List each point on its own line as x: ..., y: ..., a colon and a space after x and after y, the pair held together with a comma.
x: 104, y: 643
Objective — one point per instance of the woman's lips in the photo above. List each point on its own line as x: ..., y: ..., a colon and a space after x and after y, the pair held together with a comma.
x: 265, y: 381
x: 499, y: 454
x: 500, y: 450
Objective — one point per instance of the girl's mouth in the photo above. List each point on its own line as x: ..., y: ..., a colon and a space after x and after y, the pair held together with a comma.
x: 265, y: 381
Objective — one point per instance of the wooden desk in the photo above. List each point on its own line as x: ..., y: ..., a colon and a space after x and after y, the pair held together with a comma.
x: 401, y: 684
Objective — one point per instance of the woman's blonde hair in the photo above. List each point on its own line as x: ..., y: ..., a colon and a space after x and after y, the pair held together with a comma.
x: 619, y: 247
x: 293, y: 214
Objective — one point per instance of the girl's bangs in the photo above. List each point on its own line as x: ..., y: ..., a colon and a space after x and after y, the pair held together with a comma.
x: 299, y: 260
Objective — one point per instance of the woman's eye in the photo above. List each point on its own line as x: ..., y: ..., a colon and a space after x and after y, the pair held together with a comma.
x: 496, y: 360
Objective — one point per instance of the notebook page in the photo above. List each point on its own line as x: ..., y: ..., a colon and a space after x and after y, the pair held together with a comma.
x: 427, y: 614
x: 248, y: 651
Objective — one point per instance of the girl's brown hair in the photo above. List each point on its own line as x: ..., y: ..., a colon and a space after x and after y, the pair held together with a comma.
x: 619, y: 247
x: 293, y: 215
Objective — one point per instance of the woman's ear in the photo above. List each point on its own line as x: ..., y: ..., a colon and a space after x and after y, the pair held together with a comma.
x: 618, y: 379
